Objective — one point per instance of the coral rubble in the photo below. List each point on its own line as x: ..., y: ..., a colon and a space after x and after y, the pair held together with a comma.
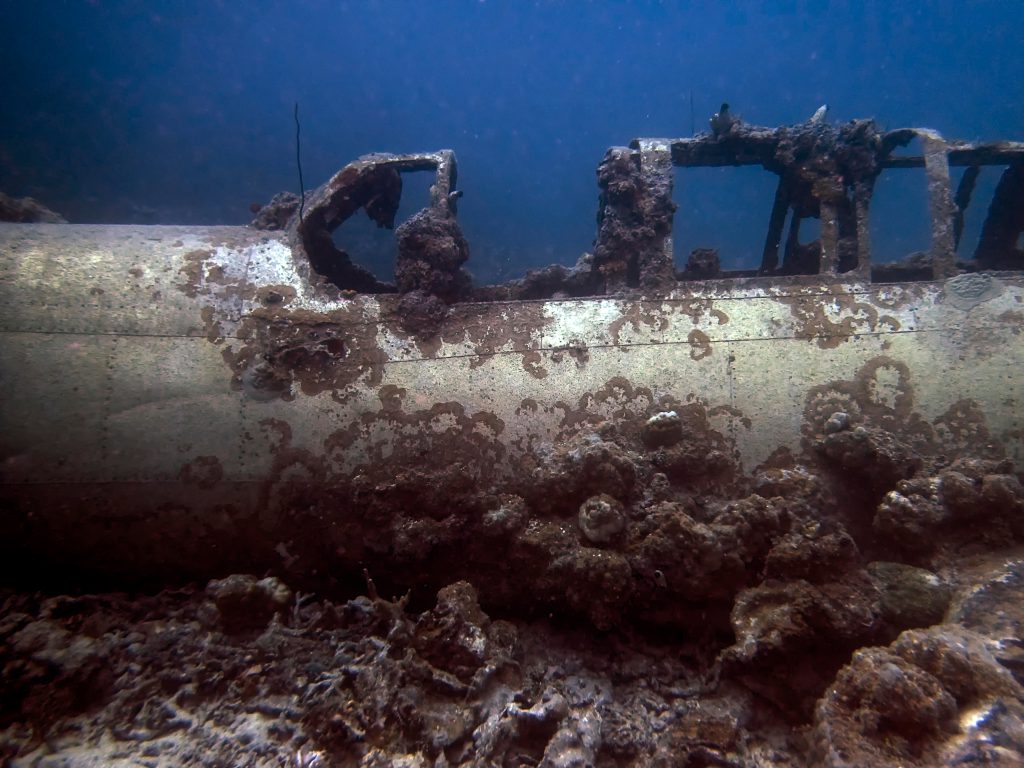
x: 594, y: 611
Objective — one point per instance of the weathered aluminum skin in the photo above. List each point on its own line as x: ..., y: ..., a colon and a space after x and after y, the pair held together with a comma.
x: 199, y: 369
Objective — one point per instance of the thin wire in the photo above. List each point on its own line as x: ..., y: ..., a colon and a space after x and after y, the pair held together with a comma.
x: 298, y: 162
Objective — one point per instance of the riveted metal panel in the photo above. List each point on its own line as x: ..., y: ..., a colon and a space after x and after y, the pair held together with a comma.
x: 170, y: 414
x: 53, y: 407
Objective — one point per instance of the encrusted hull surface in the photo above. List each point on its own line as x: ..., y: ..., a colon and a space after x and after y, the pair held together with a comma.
x: 177, y: 379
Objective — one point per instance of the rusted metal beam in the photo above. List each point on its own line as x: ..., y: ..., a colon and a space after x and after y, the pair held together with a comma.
x: 862, y: 192
x: 964, y: 191
x: 940, y: 204
x: 829, y: 239
x: 963, y: 154
x: 776, y: 223
x: 655, y: 262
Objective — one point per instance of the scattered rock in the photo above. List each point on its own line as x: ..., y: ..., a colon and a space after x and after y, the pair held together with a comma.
x: 509, y: 516
x: 692, y: 461
x: 702, y: 561
x: 803, y: 490
x: 875, y: 455
x: 970, y: 501
x: 907, y: 516
x: 578, y: 469
x: 910, y: 597
x: 48, y: 672
x: 454, y: 636
x: 639, y: 618
x: 812, y: 554
x: 991, y: 603
x: 792, y: 637
x: 244, y: 603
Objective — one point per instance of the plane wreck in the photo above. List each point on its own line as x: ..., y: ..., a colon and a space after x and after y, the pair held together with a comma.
x: 267, y: 360
x: 639, y: 514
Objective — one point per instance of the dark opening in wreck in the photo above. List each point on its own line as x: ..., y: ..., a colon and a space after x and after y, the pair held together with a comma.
x: 826, y: 177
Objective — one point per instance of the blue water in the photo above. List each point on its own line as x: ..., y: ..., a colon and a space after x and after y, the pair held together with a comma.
x: 181, y: 112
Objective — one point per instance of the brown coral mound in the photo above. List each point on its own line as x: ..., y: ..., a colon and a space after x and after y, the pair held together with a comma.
x: 431, y: 252
x: 971, y: 500
x: 934, y: 697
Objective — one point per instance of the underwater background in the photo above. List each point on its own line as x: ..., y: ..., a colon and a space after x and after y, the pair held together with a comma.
x: 182, y: 112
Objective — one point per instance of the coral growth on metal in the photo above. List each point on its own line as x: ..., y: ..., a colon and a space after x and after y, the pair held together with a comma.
x: 826, y: 172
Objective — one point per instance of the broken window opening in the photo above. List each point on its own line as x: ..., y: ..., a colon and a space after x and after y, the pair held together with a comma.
x: 375, y: 247
x: 949, y: 205
x: 810, y: 230
x: 900, y: 224
x: 800, y: 248
x: 719, y: 218
x: 1002, y: 232
x: 823, y: 172
x: 975, y: 191
x: 966, y: 183
x: 431, y: 247
x: 829, y: 173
